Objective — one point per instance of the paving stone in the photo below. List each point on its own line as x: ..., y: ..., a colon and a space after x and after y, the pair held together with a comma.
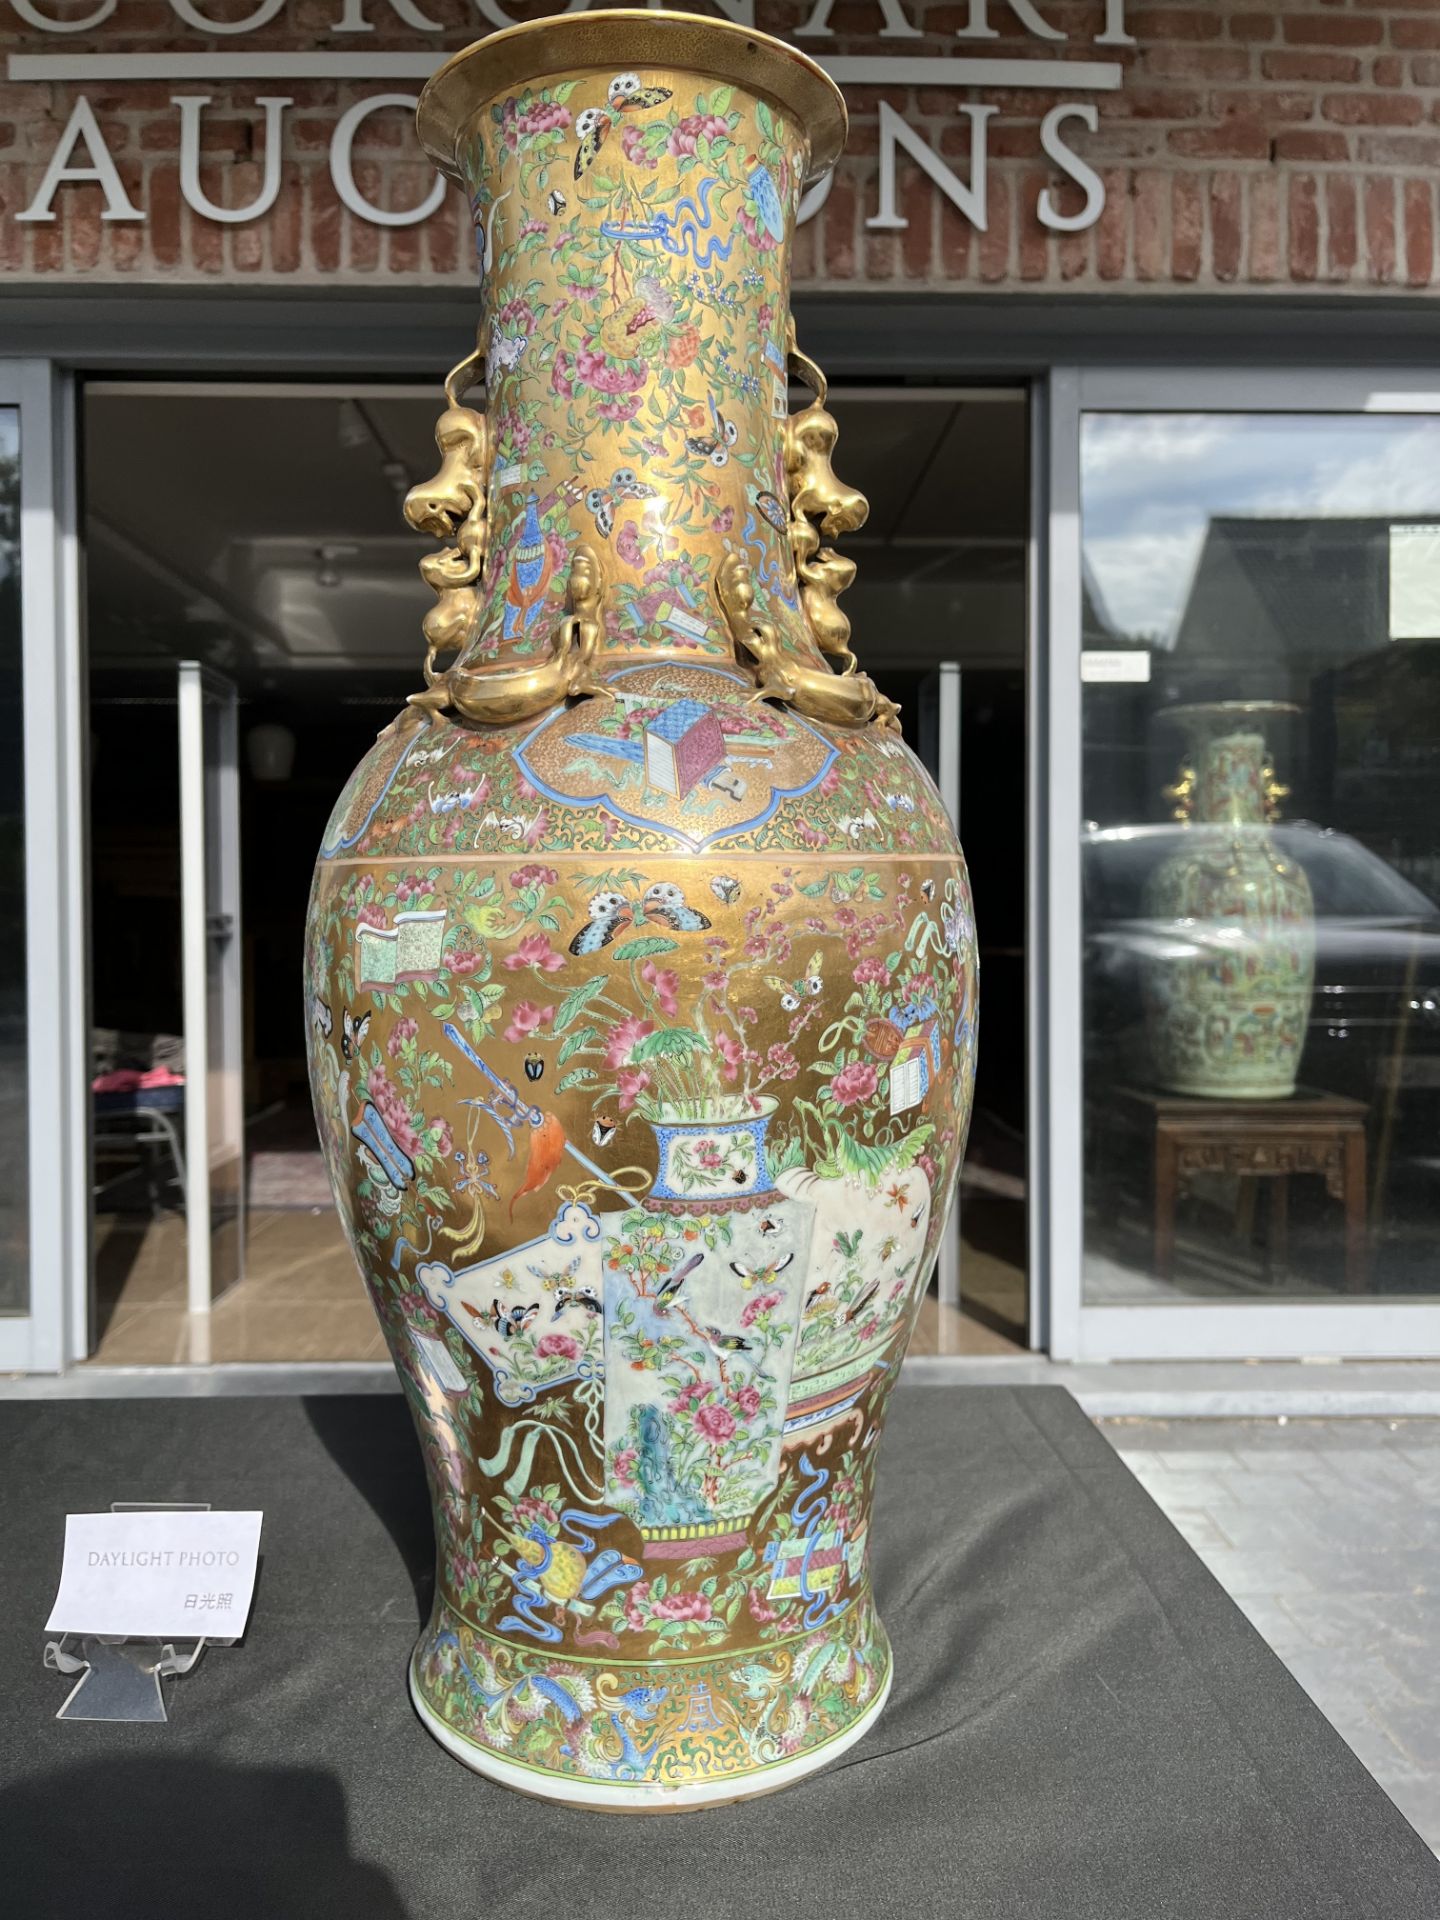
x: 1242, y: 1572
x: 1326, y: 1533
x: 1198, y: 1527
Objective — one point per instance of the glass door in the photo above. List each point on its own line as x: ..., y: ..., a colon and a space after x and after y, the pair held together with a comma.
x: 940, y: 608
x: 1252, y: 647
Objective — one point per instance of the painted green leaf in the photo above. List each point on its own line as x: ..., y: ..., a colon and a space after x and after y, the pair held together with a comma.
x: 646, y: 948
x: 573, y: 1042
x: 671, y: 1043
x: 576, y: 1000
x: 579, y: 1077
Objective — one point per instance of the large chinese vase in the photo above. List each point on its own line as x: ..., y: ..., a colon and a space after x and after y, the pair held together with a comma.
x: 640, y: 955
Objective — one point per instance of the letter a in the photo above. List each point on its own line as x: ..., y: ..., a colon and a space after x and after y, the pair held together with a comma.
x: 82, y: 127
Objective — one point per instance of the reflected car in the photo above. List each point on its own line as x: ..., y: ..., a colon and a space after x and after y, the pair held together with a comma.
x: 1375, y: 1014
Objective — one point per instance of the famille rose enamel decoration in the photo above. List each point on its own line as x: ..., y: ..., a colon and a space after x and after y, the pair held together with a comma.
x: 640, y: 959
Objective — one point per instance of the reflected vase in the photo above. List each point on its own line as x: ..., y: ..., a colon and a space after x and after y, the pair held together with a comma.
x: 1231, y: 966
x: 640, y: 964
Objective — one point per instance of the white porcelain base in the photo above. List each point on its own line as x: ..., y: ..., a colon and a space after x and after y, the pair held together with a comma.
x: 602, y: 1796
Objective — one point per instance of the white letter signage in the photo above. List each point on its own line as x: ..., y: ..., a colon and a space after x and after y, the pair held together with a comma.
x: 80, y: 127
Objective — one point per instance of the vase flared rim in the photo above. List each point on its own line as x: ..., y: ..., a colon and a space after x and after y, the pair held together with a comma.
x: 1224, y: 710
x: 614, y: 39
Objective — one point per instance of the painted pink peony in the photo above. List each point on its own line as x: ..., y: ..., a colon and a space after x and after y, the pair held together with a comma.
x: 852, y: 1083
x: 622, y: 1465
x: 557, y: 1346
x: 759, y: 1611
x: 762, y: 1303
x: 402, y: 1031
x: 681, y: 1606
x: 716, y: 1423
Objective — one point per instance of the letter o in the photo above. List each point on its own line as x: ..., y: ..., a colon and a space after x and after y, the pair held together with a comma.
x: 32, y: 15
x: 192, y: 16
x: 341, y: 174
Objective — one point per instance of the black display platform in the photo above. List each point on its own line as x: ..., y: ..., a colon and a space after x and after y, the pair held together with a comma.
x: 1082, y: 1723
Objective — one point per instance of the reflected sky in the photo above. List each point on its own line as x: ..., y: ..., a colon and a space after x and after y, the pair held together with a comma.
x: 1151, y: 482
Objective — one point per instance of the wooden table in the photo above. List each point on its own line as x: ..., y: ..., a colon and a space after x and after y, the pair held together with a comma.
x: 1320, y: 1133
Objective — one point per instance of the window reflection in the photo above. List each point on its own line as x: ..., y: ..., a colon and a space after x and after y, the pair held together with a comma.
x: 1261, y: 857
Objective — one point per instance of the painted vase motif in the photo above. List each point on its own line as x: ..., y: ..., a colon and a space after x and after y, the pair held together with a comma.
x: 640, y: 956
x: 1227, y: 1003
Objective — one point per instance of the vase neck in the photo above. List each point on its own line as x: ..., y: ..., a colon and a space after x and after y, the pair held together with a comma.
x: 634, y: 234
x: 1230, y: 774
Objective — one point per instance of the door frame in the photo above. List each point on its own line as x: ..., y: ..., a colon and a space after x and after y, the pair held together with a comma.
x: 209, y: 866
x: 55, y: 1331
x: 1364, y: 1328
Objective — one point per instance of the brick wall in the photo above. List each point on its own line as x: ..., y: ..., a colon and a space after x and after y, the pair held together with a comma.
x: 1288, y: 145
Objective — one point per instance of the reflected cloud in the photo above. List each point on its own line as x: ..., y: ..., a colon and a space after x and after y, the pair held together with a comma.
x: 1152, y: 483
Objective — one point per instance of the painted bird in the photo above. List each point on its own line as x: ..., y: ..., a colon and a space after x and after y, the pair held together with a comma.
x: 607, y: 913
x: 728, y: 1342
x: 530, y: 570
x: 664, y: 901
x: 860, y: 1305
x: 670, y: 1286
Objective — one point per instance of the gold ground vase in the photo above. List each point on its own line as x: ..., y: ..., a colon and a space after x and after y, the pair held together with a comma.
x: 640, y: 955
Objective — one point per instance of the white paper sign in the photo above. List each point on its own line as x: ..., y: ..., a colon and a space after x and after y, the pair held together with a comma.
x: 1111, y: 664
x: 1415, y: 582
x: 162, y: 1575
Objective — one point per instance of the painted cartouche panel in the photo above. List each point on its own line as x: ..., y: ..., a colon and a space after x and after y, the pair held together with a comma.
x: 641, y: 968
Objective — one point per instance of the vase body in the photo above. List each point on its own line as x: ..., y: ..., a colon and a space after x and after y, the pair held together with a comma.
x: 1227, y: 996
x: 643, y: 1024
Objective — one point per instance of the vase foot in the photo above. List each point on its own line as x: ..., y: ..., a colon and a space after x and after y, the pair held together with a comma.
x: 653, y: 1737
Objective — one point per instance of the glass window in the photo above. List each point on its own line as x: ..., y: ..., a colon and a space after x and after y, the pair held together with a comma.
x: 1261, y: 856
x: 14, y: 1134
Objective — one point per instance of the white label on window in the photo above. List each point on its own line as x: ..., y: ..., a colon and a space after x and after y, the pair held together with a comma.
x: 1114, y: 663
x: 157, y: 1575
x: 1415, y: 583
